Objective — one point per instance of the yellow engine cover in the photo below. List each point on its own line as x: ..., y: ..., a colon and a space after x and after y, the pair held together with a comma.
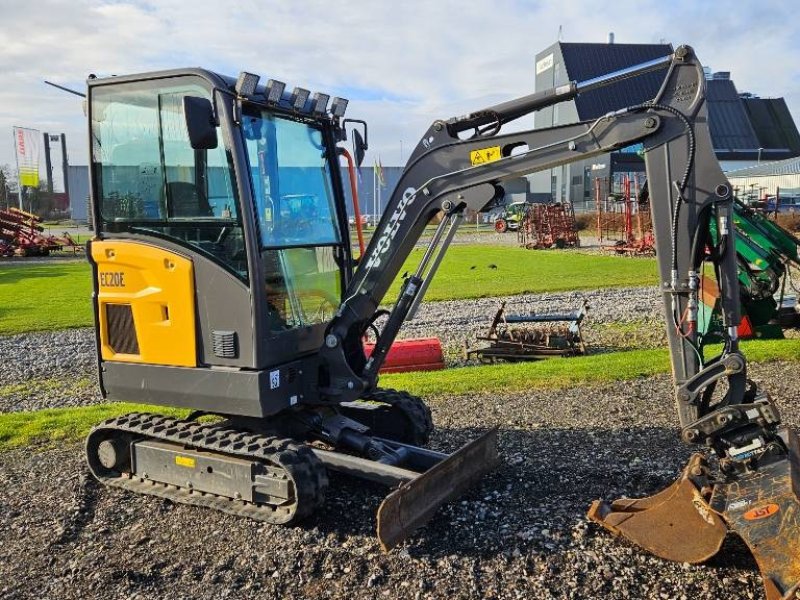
x: 145, y: 304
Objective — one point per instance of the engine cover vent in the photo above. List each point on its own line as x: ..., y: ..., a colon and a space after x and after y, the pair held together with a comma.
x: 224, y: 344
x: 121, y: 329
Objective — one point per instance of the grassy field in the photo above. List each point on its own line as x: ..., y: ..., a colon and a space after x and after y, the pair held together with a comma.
x: 481, y: 271
x: 70, y: 424
x: 36, y: 297
x: 65, y: 424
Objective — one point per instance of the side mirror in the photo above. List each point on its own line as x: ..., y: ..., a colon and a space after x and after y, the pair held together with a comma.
x: 360, y: 142
x: 199, y: 115
x: 359, y: 147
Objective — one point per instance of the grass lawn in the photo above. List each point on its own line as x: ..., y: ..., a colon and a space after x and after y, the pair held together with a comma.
x: 70, y: 424
x: 65, y: 424
x: 36, y: 297
x: 467, y: 272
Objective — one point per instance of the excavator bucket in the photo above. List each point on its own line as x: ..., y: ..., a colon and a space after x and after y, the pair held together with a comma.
x: 688, y: 521
x: 676, y: 524
x: 413, y: 504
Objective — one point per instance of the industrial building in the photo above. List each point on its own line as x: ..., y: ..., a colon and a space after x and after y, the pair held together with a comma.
x: 780, y: 179
x: 745, y: 129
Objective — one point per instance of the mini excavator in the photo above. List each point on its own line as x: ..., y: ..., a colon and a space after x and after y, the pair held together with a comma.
x: 224, y: 283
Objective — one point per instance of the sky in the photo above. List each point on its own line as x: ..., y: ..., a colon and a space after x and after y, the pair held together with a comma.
x: 401, y: 64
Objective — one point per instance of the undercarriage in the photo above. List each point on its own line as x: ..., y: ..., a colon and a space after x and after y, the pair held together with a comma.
x: 277, y: 472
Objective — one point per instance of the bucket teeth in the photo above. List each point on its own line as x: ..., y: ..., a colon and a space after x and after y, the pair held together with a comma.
x: 676, y: 524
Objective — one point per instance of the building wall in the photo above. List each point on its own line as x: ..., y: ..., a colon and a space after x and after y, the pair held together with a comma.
x: 550, y: 72
x: 764, y: 184
x: 79, y: 192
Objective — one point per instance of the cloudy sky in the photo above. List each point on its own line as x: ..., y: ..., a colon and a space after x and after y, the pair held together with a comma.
x: 402, y: 64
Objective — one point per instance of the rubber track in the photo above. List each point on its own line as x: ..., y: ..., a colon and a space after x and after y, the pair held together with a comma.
x: 301, y: 466
x: 411, y: 406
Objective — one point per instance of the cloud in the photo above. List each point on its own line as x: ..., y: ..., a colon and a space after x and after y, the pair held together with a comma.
x: 407, y: 63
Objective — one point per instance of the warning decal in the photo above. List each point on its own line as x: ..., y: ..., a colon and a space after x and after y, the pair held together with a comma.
x: 184, y: 461
x: 485, y: 155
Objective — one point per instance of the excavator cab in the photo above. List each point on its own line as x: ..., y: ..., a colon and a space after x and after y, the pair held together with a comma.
x: 253, y: 201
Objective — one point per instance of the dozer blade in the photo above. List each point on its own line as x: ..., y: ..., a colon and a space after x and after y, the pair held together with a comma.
x: 676, y: 524
x: 413, y: 504
x: 763, y: 508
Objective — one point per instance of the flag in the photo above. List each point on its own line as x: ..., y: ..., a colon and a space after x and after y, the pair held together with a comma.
x: 379, y: 172
x: 26, y: 143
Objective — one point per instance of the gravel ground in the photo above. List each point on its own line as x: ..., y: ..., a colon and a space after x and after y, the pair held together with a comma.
x: 521, y: 533
x: 48, y: 370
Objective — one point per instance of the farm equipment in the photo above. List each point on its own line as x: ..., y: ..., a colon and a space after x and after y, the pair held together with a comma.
x: 510, y: 218
x: 21, y: 234
x: 206, y: 298
x: 415, y: 354
x: 555, y: 334
x: 623, y: 217
x: 549, y: 225
x: 767, y: 254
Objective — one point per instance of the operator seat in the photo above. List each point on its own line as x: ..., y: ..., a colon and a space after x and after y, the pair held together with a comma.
x: 185, y: 201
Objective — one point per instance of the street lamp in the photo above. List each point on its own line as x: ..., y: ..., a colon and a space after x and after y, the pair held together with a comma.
x: 759, y: 155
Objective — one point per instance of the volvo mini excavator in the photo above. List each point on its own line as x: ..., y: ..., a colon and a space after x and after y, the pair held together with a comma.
x: 224, y: 282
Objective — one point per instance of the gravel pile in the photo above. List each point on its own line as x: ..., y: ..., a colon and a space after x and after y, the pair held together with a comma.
x: 521, y: 533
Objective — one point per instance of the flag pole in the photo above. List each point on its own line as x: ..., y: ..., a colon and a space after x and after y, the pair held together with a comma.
x: 19, y: 175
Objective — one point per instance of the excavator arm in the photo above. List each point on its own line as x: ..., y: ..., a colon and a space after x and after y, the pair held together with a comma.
x: 447, y: 176
x: 460, y: 164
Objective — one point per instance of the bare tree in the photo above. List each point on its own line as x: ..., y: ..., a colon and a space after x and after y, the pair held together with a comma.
x: 6, y: 177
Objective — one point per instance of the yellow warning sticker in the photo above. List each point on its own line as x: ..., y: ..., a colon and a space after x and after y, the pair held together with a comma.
x: 485, y: 155
x: 184, y: 461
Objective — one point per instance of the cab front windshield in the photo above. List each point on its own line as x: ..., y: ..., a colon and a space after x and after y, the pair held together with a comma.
x: 299, y: 232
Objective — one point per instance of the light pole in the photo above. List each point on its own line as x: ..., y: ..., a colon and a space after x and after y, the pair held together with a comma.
x: 759, y: 155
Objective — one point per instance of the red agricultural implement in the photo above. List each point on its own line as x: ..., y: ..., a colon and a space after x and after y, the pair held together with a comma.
x: 417, y: 354
x: 548, y: 226
x: 624, y: 225
x: 21, y: 234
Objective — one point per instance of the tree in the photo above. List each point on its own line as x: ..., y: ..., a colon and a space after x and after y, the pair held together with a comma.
x: 6, y: 176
